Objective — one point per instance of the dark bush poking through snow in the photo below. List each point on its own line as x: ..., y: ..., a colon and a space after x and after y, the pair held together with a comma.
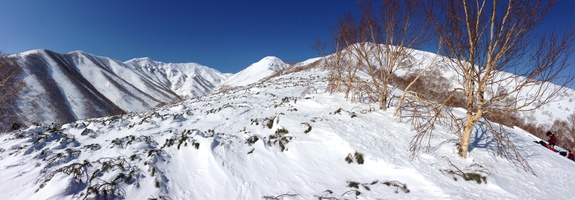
x: 183, y: 138
x: 252, y: 140
x: 267, y: 122
x: 398, y: 186
x: 280, y: 138
x: 474, y: 172
x: 308, y: 127
x: 357, y: 156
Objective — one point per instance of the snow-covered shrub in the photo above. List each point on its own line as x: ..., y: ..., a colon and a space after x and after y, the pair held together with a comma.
x: 267, y: 122
x: 338, y: 111
x: 280, y: 138
x: 76, y: 170
x: 123, y: 142
x: 308, y: 127
x: 357, y: 156
x: 57, y: 158
x: 252, y: 140
x: 183, y: 138
x: 473, y: 172
x: 398, y: 186
x: 92, y: 147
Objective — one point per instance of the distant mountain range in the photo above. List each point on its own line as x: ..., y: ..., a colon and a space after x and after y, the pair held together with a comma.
x: 61, y: 88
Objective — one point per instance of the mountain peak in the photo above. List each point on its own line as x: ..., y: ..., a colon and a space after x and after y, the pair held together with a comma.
x: 30, y: 52
x: 272, y: 58
x: 78, y: 52
x: 257, y: 71
x: 271, y: 62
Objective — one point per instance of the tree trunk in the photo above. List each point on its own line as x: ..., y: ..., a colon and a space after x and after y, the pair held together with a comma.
x: 383, y: 104
x: 470, y: 122
x: 464, y: 143
x: 347, y: 89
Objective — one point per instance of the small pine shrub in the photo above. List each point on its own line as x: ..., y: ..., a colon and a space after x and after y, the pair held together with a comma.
x: 282, y: 131
x: 308, y: 127
x: 252, y: 140
x: 349, y: 158
x: 475, y: 177
x: 357, y: 156
x: 398, y: 186
x: 353, y: 184
x: 280, y: 138
x: 270, y: 122
x: 474, y: 172
x: 92, y: 147
x: 338, y: 111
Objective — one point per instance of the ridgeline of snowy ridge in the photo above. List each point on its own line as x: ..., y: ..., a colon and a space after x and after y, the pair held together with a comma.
x: 283, y: 138
x: 62, y: 88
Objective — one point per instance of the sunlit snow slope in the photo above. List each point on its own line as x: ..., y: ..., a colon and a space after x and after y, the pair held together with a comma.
x: 282, y: 138
x: 255, y: 72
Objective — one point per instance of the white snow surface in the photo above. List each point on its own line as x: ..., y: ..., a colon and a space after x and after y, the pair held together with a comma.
x: 228, y: 145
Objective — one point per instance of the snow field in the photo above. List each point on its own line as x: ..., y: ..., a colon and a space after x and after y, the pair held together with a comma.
x: 267, y: 139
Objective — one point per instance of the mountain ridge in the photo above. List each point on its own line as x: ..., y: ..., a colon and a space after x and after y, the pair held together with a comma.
x: 61, y: 88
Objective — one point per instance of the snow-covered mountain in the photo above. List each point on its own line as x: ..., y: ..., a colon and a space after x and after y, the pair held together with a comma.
x: 255, y: 72
x: 188, y: 80
x: 62, y: 88
x: 282, y: 138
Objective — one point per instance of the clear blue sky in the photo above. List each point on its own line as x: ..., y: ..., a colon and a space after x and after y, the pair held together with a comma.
x: 225, y: 35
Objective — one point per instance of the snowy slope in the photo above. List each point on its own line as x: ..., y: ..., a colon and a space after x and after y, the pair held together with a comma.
x: 62, y: 88
x: 270, y: 139
x: 255, y: 72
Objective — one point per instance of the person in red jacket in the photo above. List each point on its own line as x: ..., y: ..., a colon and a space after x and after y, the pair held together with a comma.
x: 551, y: 139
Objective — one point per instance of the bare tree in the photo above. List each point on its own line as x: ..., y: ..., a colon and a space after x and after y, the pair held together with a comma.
x: 10, y: 85
x: 340, y: 64
x: 395, y: 32
x: 503, y: 66
x: 379, y: 43
x: 565, y: 132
